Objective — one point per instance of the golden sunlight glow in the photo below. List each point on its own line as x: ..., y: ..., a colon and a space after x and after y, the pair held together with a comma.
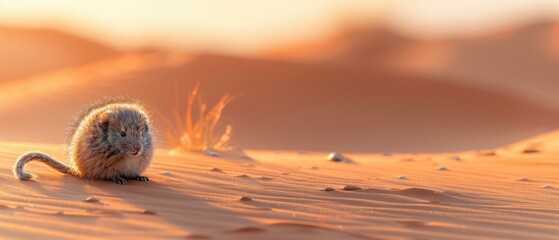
x: 244, y: 26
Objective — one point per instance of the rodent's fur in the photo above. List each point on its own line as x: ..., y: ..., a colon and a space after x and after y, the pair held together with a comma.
x: 109, y: 140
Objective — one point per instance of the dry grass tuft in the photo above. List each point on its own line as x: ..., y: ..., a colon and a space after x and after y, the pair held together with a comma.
x: 196, y: 132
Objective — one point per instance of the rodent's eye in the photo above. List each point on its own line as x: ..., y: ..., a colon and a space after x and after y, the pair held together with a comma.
x: 123, y: 134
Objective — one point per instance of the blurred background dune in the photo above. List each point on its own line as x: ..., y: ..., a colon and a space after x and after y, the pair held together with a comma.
x: 359, y: 76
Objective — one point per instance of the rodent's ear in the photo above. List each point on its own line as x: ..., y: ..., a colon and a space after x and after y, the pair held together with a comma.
x: 104, y: 117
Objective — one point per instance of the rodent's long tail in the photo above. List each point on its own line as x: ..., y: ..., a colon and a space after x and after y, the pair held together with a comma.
x: 39, y: 156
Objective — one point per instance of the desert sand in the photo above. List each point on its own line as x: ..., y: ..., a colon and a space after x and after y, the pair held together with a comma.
x: 26, y: 52
x: 294, y: 110
x: 519, y: 60
x: 281, y: 195
x: 284, y: 106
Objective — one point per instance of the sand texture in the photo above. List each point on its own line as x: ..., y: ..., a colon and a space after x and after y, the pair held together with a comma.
x: 509, y: 193
x: 370, y: 94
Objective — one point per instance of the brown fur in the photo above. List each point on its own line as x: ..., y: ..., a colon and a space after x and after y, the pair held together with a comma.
x: 111, y: 140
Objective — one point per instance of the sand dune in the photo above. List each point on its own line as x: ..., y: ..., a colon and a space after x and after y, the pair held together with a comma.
x: 26, y: 52
x: 478, y: 196
x: 520, y: 60
x: 269, y: 190
x: 368, y: 47
x: 284, y: 106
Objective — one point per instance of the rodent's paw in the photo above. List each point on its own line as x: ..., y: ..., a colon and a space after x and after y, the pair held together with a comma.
x: 142, y: 178
x: 120, y: 180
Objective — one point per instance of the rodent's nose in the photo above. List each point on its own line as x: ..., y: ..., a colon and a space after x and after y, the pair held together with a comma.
x: 137, y: 147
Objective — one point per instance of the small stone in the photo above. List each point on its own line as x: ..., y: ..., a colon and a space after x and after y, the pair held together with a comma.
x: 402, y: 177
x: 524, y: 180
x: 337, y: 157
x: 351, y: 188
x: 168, y: 174
x: 244, y: 176
x: 455, y: 158
x: 266, y: 178
x: 442, y: 168
x: 246, y: 199
x: 148, y: 212
x: 547, y: 186
x: 314, y: 168
x: 91, y: 200
x: 212, y: 153
x: 217, y: 170
x: 487, y: 153
x: 528, y: 151
x: 329, y: 189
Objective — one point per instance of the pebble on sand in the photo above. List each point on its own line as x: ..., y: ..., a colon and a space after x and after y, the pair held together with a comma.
x: 217, y: 170
x: 547, y: 186
x: 338, y: 157
x: 314, y: 168
x: 524, y: 180
x: 456, y: 158
x: 528, y: 151
x: 91, y: 200
x: 351, y: 188
x: 212, y: 153
x: 442, y: 168
x: 402, y: 177
x: 487, y: 153
x: 329, y: 189
x: 148, y: 212
x: 245, y: 198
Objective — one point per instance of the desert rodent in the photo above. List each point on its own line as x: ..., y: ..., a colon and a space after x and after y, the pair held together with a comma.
x: 109, y: 140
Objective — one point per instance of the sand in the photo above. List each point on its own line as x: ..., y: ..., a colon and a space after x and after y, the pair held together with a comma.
x: 282, y: 196
x: 279, y: 183
x: 284, y: 106
x: 519, y: 60
x: 26, y: 52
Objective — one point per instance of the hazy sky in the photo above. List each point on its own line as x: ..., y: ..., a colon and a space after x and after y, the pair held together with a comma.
x: 241, y: 26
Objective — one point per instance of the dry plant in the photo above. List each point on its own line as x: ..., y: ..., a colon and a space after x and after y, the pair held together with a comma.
x: 197, y: 133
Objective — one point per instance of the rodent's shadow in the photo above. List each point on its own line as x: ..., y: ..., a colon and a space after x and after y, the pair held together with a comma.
x: 161, y: 201
x: 67, y: 188
x: 175, y: 207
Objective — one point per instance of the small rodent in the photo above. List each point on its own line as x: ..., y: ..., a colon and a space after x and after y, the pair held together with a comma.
x: 109, y: 140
